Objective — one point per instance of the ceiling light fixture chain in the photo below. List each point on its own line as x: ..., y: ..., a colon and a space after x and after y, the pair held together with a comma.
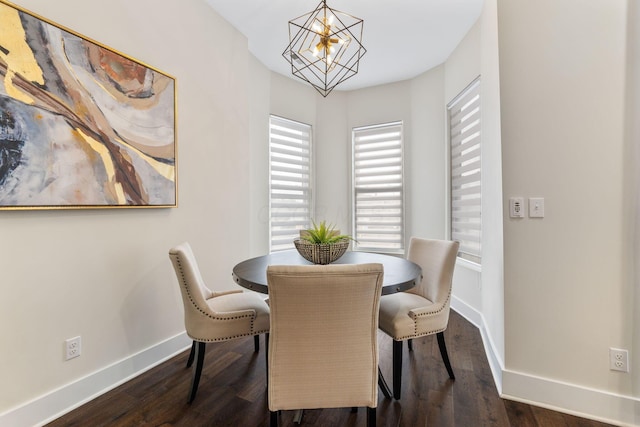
x: 325, y: 47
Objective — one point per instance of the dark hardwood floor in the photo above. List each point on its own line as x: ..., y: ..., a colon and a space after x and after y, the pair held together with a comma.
x: 233, y: 392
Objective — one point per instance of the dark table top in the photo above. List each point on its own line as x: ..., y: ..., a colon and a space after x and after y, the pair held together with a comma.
x: 399, y: 273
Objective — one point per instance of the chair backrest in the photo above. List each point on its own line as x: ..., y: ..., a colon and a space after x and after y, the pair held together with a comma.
x: 194, y: 291
x: 323, y: 346
x: 437, y: 259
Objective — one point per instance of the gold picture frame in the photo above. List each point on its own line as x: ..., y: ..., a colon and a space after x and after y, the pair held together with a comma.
x: 81, y: 125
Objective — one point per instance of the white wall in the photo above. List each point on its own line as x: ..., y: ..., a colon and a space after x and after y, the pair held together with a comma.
x: 632, y: 176
x: 332, y: 156
x: 259, y: 91
x: 492, y: 283
x: 568, y: 287
x: 426, y: 157
x: 562, y: 98
x: 105, y: 274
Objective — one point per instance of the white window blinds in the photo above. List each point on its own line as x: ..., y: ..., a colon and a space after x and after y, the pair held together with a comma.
x: 466, y: 194
x: 289, y: 181
x: 378, y: 195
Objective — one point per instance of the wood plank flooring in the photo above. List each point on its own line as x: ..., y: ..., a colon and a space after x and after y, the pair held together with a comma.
x: 233, y: 392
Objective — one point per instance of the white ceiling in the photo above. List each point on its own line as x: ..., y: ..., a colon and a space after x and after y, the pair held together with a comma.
x: 403, y: 38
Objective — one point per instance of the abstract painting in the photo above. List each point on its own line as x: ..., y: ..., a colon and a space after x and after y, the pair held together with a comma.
x: 81, y: 126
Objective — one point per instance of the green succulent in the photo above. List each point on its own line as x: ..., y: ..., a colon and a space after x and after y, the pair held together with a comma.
x: 323, y: 233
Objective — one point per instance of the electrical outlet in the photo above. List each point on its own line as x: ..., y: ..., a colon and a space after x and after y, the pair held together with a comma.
x: 73, y: 347
x: 618, y: 359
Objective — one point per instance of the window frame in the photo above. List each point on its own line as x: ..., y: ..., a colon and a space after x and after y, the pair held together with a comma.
x: 470, y: 205
x: 294, y: 126
x: 357, y: 244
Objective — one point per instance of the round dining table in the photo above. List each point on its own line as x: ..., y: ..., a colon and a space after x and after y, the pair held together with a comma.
x: 399, y: 274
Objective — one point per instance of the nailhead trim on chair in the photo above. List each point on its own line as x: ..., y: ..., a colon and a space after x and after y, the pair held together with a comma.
x: 227, y: 338
x: 424, y: 334
x: 405, y: 337
x: 184, y: 285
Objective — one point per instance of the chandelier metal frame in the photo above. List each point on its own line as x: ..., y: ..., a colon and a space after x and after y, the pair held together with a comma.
x: 325, y: 47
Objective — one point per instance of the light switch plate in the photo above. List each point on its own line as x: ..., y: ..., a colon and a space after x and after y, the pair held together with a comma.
x: 536, y: 207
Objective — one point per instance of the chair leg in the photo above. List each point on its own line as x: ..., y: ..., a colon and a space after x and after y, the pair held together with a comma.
x: 397, y: 369
x: 444, y: 354
x: 371, y: 417
x: 191, y: 354
x: 197, y: 371
x: 266, y: 356
x: 410, y: 344
x: 273, y: 418
x: 256, y: 343
x: 386, y: 391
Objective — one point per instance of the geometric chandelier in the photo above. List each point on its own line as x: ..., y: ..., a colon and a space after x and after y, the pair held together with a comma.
x: 325, y: 47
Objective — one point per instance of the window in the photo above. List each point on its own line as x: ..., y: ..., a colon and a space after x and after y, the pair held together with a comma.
x: 378, y: 191
x: 289, y: 181
x: 466, y: 194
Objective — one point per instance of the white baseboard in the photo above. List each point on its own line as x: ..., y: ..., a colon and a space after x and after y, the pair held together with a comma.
x: 571, y: 399
x: 493, y: 357
x: 555, y: 395
x: 551, y: 394
x: 52, y: 405
x: 466, y: 311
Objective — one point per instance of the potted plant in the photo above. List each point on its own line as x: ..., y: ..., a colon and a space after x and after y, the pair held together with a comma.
x: 322, y: 243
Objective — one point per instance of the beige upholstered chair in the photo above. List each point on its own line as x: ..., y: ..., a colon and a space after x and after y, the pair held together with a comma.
x: 323, y: 345
x: 423, y: 310
x: 214, y: 316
